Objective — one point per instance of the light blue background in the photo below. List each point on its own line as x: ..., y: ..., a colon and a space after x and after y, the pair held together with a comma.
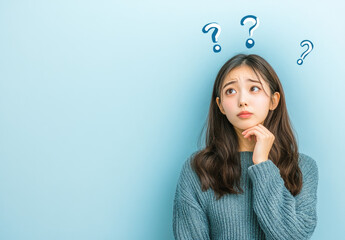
x: 101, y: 102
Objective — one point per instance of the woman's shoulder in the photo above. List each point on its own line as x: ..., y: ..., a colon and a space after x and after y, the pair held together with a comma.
x: 189, y: 186
x: 307, y: 164
x: 187, y: 164
x: 189, y: 183
x: 306, y: 159
x: 186, y: 169
x: 187, y: 174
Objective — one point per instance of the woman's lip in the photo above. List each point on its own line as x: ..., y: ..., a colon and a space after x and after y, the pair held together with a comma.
x: 246, y: 115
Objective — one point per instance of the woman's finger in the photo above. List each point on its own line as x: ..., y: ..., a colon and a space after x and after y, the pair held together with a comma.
x: 256, y: 128
x: 253, y: 132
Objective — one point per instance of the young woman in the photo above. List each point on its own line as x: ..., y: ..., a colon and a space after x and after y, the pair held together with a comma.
x: 250, y: 181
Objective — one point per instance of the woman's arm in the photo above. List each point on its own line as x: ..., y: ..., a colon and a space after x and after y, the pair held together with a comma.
x: 189, y: 222
x: 280, y: 214
x: 189, y: 218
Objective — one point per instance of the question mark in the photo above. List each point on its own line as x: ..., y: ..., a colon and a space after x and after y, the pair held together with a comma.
x: 250, y: 18
x: 305, y: 53
x: 215, y: 35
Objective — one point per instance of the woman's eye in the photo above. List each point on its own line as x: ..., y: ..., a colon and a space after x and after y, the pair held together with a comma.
x: 229, y: 90
x: 256, y: 87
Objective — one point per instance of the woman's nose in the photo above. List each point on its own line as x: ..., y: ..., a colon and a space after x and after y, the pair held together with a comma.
x: 242, y: 100
x: 242, y: 104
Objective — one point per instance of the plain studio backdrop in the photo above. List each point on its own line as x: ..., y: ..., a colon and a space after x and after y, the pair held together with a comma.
x: 101, y: 102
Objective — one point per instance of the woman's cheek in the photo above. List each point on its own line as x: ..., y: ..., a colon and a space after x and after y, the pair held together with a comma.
x: 261, y: 107
x: 230, y: 109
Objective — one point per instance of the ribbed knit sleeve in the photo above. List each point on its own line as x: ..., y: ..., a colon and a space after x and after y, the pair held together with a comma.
x: 280, y: 214
x: 189, y: 217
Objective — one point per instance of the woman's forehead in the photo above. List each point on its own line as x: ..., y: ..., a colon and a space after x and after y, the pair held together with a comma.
x: 242, y: 73
x: 245, y: 75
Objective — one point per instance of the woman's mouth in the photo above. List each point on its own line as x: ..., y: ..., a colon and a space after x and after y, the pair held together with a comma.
x: 245, y: 115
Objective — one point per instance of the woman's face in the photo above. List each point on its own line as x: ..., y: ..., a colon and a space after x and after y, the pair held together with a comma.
x: 242, y: 91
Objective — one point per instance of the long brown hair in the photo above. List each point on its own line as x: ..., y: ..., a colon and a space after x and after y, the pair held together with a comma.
x: 218, y: 165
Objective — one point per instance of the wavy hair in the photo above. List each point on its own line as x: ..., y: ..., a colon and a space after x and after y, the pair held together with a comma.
x: 218, y: 164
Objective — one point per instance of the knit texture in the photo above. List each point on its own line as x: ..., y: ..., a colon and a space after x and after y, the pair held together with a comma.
x: 266, y: 210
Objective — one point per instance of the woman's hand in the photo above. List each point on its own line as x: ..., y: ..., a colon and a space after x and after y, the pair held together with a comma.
x: 264, y: 141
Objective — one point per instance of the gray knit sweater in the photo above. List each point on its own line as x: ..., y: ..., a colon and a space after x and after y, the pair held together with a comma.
x: 266, y: 210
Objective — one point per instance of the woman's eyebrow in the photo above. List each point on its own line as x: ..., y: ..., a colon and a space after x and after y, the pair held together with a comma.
x: 235, y: 81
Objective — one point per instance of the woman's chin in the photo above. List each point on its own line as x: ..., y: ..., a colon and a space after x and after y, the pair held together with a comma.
x: 245, y: 126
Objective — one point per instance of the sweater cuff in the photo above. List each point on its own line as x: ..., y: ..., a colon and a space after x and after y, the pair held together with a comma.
x: 264, y: 172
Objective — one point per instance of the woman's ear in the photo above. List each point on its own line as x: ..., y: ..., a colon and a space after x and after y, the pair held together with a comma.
x: 220, y: 105
x: 275, y: 100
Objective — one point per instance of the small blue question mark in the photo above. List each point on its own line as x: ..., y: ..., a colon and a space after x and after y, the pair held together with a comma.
x: 250, y: 18
x: 215, y: 35
x: 305, y: 53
